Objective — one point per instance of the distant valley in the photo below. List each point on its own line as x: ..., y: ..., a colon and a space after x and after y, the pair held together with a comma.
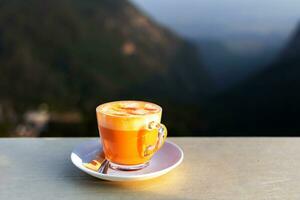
x: 232, y: 60
x: 265, y: 104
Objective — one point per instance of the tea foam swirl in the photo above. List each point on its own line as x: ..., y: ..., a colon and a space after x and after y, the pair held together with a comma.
x: 128, y: 115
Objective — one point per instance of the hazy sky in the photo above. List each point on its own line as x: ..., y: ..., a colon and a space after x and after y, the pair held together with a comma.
x: 194, y: 18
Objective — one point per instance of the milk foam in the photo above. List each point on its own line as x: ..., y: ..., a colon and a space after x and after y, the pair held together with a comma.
x: 128, y: 115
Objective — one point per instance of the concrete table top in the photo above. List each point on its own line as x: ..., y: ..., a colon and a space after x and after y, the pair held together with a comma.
x: 213, y: 168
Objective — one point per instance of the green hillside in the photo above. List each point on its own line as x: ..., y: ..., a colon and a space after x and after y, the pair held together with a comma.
x: 73, y: 55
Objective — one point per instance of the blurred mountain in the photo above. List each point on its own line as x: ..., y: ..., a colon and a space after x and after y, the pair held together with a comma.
x: 267, y: 103
x: 232, y: 60
x: 71, y: 55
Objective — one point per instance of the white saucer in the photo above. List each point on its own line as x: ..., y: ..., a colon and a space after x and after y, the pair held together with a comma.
x: 166, y: 159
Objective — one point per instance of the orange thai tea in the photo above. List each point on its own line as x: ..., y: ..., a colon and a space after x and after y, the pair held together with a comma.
x: 130, y: 132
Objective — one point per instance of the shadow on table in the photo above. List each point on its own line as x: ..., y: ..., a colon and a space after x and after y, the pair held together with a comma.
x: 163, y: 187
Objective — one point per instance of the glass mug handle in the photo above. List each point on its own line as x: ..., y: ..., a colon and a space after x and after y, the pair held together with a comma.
x: 162, y: 132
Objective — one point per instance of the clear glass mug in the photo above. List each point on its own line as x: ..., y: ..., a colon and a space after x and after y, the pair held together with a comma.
x: 130, y: 132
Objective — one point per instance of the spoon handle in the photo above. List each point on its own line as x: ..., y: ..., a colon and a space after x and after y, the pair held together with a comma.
x: 104, y: 167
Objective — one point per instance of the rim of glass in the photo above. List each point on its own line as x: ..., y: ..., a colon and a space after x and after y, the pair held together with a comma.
x: 98, y: 109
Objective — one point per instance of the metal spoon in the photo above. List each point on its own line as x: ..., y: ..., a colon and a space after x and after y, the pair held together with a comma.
x: 104, y: 167
x: 100, y: 160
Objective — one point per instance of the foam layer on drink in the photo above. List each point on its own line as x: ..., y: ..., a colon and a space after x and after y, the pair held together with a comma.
x: 128, y: 115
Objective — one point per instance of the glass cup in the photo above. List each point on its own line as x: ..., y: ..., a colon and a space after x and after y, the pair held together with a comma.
x: 130, y: 132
